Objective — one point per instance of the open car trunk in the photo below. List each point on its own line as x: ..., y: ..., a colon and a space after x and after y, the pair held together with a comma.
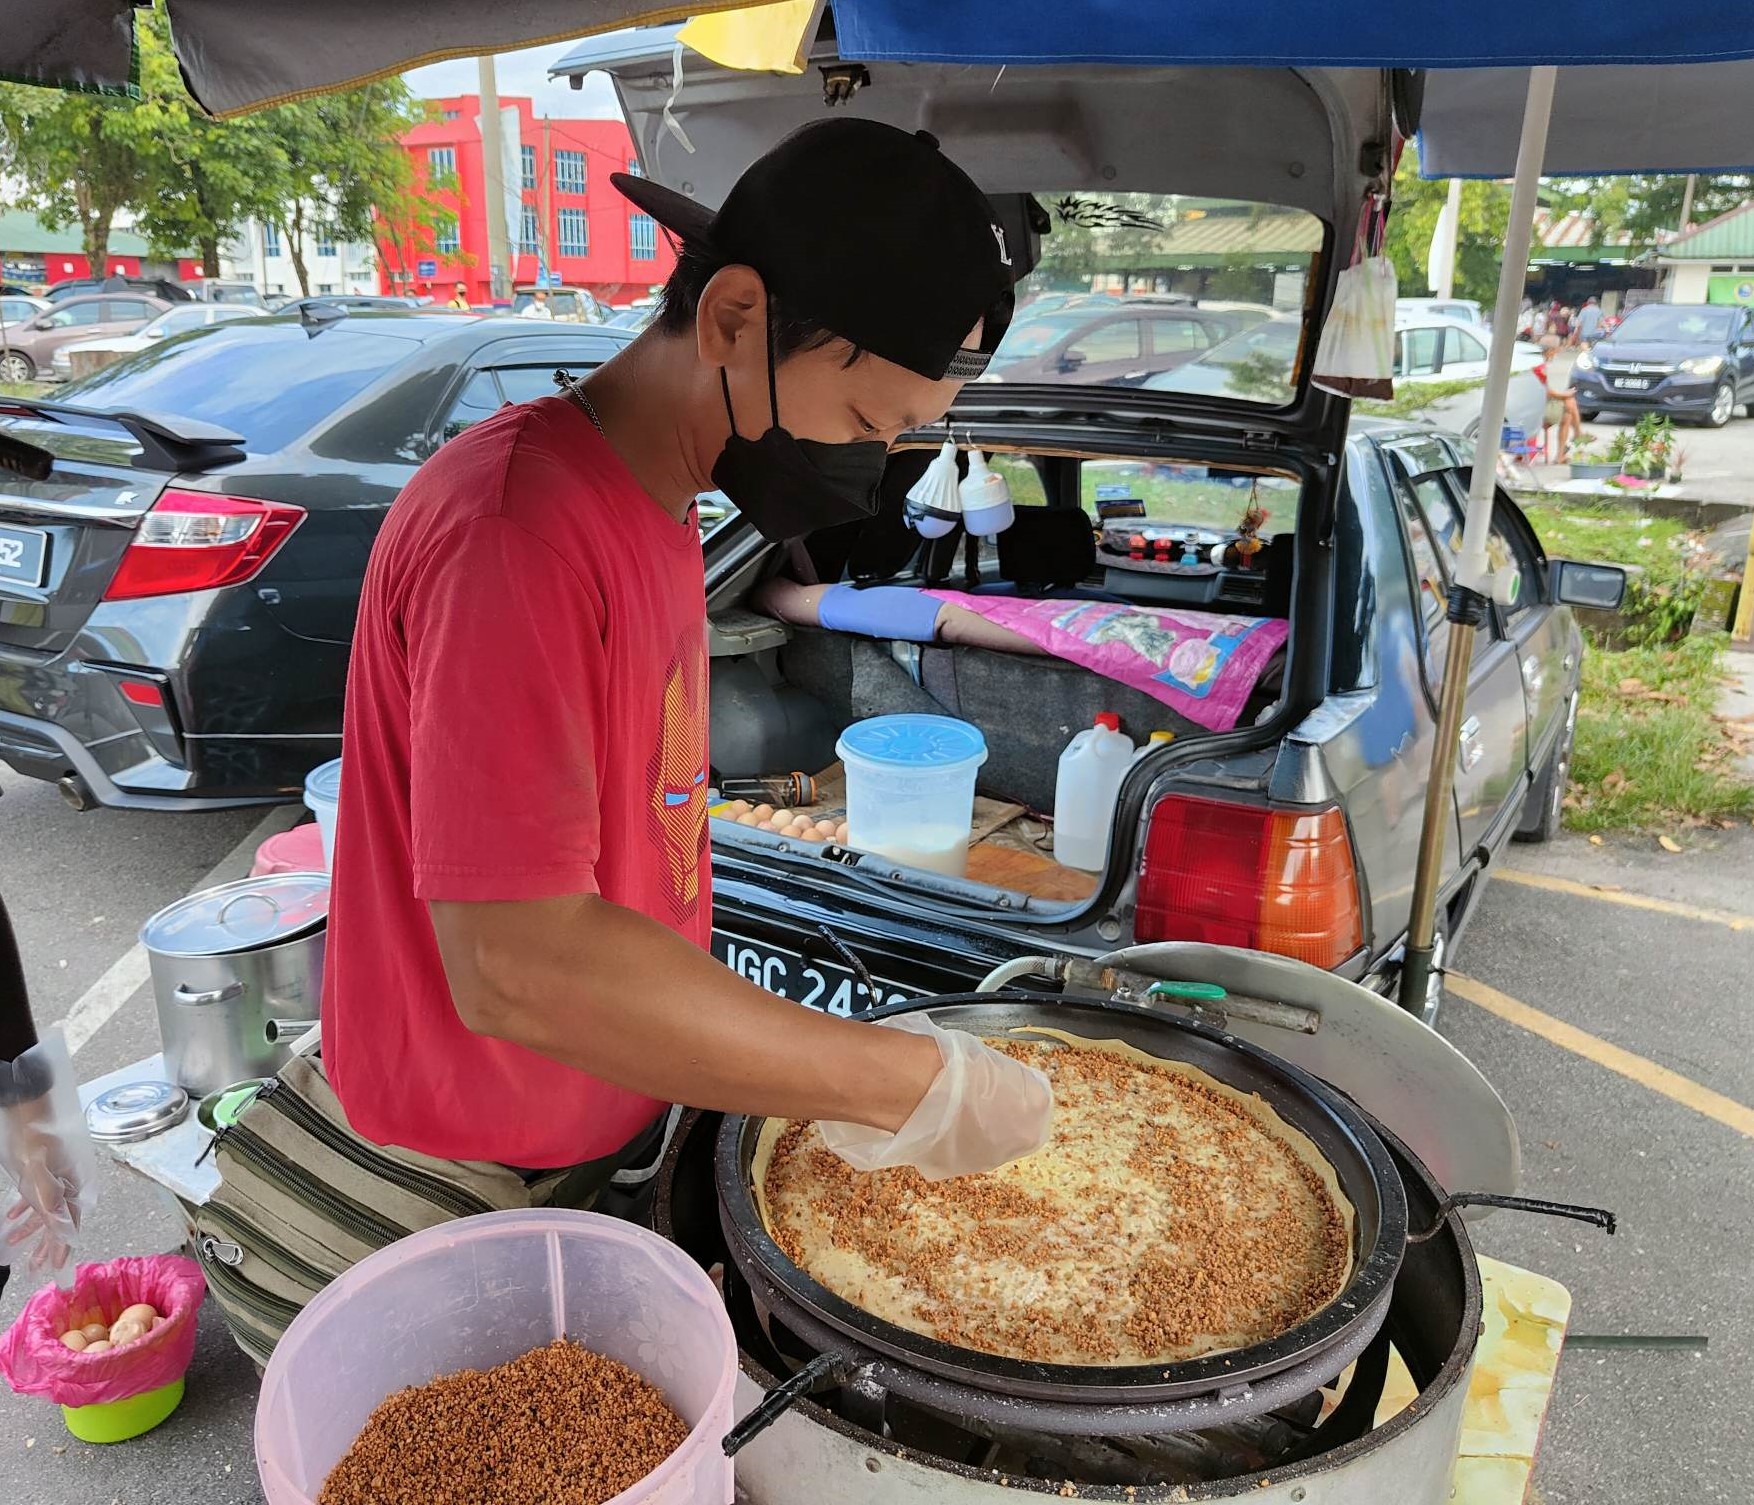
x: 784, y: 690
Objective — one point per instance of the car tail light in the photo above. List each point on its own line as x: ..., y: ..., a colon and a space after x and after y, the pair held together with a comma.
x: 1247, y: 875
x: 141, y: 692
x: 193, y: 541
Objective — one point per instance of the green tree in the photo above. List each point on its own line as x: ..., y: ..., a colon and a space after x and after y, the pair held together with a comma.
x: 1485, y: 213
x: 75, y: 159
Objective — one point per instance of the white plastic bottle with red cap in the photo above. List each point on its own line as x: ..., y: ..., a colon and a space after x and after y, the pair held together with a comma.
x: 1091, y: 769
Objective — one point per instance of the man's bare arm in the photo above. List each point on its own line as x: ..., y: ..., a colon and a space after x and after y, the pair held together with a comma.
x: 613, y: 993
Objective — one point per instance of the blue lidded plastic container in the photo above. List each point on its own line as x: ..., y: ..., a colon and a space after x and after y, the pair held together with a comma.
x: 910, y: 788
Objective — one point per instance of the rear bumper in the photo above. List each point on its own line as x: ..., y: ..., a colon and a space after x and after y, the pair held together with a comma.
x: 42, y: 750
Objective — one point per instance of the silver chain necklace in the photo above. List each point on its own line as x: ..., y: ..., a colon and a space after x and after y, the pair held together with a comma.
x: 575, y: 390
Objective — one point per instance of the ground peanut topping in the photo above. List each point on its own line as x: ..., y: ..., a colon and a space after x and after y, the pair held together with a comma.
x: 1165, y: 1219
x: 558, y: 1426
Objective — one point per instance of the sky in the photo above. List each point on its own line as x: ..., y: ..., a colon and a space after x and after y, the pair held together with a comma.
x: 523, y: 73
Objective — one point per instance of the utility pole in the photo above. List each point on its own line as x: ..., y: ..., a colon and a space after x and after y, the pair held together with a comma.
x: 545, y: 181
x: 493, y: 173
x: 1687, y: 201
x: 1443, y: 275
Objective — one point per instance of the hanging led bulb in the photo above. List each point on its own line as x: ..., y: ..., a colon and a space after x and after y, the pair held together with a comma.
x: 933, y: 505
x: 986, y: 499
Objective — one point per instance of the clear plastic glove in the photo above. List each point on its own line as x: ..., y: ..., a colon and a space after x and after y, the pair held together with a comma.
x: 48, y: 1178
x: 982, y: 1111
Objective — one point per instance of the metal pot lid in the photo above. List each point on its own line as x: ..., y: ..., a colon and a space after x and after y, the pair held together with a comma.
x: 241, y: 916
x: 136, y: 1110
x: 1391, y: 1064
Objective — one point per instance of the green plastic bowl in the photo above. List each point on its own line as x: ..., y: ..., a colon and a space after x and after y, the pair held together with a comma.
x: 120, y: 1420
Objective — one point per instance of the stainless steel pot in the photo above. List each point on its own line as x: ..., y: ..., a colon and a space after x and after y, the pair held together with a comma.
x: 237, y: 975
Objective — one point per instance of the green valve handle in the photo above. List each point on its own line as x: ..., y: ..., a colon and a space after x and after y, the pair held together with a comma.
x: 1188, y: 992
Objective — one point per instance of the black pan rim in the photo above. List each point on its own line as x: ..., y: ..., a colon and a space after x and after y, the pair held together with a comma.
x: 1374, y: 1270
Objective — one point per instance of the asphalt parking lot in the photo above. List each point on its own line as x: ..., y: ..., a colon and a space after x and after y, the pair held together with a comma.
x: 1604, y: 990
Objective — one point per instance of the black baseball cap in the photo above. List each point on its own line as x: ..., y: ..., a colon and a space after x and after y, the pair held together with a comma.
x: 867, y: 229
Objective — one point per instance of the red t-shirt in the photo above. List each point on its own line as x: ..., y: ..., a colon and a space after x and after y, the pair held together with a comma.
x: 526, y: 718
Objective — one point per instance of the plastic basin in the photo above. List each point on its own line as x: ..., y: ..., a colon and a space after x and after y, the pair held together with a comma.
x: 322, y: 799
x: 479, y: 1292
x: 910, y: 788
x: 122, y: 1420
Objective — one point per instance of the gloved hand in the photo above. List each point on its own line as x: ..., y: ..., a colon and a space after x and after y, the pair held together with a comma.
x: 47, y: 1167
x: 982, y: 1111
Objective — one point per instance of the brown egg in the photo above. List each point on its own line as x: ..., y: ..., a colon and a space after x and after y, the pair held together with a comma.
x: 128, y: 1332
x: 101, y: 1346
x: 141, y: 1312
x: 75, y: 1340
x: 764, y: 812
x: 841, y: 834
x: 96, y: 1331
x: 811, y: 835
x: 747, y: 819
x: 741, y: 807
x: 827, y: 827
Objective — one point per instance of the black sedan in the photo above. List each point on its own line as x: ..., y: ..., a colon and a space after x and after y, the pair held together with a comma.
x: 1690, y: 360
x: 177, y: 598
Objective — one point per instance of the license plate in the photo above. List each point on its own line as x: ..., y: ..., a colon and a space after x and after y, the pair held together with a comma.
x: 24, y: 556
x: 1632, y: 383
x: 817, y: 984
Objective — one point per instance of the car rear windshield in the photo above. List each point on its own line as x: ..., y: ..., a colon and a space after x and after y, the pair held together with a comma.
x: 1671, y: 321
x: 1131, y: 287
x: 272, y: 383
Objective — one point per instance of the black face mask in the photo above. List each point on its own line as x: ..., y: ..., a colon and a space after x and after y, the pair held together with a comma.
x: 788, y: 487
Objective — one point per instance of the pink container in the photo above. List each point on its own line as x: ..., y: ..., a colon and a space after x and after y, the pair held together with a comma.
x: 299, y: 850
x: 479, y: 1292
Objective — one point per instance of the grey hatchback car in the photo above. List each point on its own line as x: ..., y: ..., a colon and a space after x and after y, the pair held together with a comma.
x: 28, y: 351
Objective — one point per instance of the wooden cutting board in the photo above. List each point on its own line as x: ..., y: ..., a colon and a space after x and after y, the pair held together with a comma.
x: 1028, y: 873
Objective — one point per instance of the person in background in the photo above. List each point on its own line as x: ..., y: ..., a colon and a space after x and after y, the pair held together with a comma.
x: 1559, y: 322
x: 460, y: 298
x: 1560, y: 411
x: 1589, y: 321
x: 537, y: 307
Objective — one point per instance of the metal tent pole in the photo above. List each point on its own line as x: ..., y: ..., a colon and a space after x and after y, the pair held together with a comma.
x: 1469, y: 592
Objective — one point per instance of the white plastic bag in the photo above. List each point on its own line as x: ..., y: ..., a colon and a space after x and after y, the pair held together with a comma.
x: 1356, y: 357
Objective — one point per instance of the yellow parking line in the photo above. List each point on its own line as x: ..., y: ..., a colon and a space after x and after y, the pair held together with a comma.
x: 1671, y: 1084
x: 1618, y: 896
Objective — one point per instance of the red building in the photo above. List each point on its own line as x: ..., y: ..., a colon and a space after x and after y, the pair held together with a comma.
x: 588, y: 234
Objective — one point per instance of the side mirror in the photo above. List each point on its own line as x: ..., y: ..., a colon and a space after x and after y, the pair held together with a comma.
x: 1601, y: 587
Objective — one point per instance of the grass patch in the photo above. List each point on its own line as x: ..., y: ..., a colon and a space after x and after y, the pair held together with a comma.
x: 1651, y: 752
x: 24, y: 388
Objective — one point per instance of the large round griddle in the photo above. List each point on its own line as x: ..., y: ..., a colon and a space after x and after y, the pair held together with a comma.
x: 1317, y: 1349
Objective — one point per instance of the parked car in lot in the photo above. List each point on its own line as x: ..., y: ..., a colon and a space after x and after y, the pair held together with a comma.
x: 1290, y: 824
x: 182, y: 319
x: 1691, y: 360
x: 1259, y: 364
x: 567, y: 305
x: 29, y: 351
x: 1463, y: 310
x: 226, y: 290
x: 154, y: 287
x: 18, y: 308
x: 176, y: 602
x: 1109, y: 346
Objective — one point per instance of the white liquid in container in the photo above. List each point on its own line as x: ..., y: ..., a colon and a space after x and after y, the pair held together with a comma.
x: 937, y: 851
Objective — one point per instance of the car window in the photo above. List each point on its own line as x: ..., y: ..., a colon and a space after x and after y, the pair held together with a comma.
x: 270, y: 382
x: 120, y: 310
x: 565, y: 305
x: 1445, y: 506
x: 1459, y: 345
x: 176, y: 320
x: 1515, y: 567
x: 1199, y: 496
x: 1173, y: 335
x: 1429, y: 573
x: 72, y: 315
x: 1417, y: 352
x: 479, y: 399
x: 526, y: 383
x: 1680, y: 323
x: 1115, y: 341
x: 1021, y: 478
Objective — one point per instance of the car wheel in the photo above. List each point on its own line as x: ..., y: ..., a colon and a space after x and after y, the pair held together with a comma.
x: 1546, y: 808
x: 1723, y: 405
x: 15, y: 367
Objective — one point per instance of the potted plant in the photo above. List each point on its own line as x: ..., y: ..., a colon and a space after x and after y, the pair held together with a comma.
x: 1648, y: 450
x: 1590, y: 462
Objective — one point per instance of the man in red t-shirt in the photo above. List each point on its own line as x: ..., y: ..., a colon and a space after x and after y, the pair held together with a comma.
x: 518, y: 967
